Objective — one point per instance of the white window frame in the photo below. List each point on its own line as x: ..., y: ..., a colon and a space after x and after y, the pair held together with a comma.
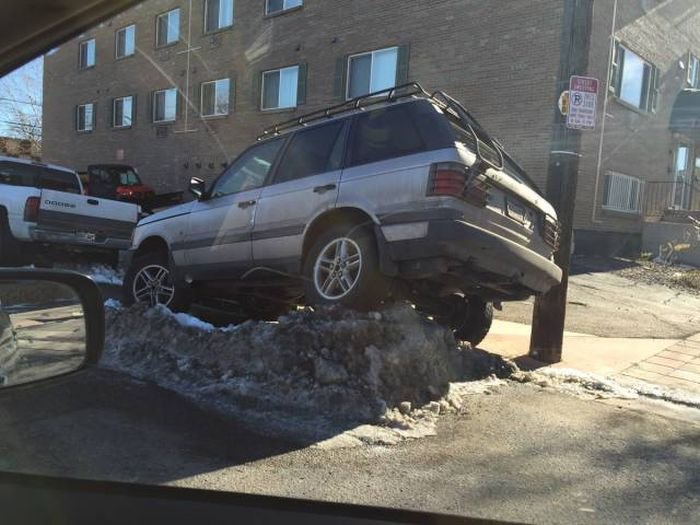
x: 285, y: 6
x: 279, y: 94
x: 649, y: 93
x: 218, y: 27
x: 88, y: 42
x: 693, y: 77
x: 630, y: 181
x: 86, y: 126
x: 114, y: 113
x: 371, y: 67
x: 125, y: 29
x: 216, y: 92
x: 167, y: 15
x: 153, y: 103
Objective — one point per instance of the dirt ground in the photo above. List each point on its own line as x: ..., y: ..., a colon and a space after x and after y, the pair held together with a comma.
x: 618, y: 298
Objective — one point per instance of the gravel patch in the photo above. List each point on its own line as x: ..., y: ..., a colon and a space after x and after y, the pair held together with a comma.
x: 681, y: 278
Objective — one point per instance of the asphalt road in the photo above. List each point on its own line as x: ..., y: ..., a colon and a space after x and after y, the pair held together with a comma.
x: 520, y: 454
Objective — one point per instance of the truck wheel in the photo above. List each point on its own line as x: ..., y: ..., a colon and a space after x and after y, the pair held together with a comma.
x: 9, y: 247
x: 149, y: 280
x: 470, y: 319
x: 342, y: 267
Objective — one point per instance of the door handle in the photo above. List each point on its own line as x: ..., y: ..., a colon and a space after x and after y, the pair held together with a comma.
x: 93, y: 202
x: 324, y: 189
x: 246, y: 204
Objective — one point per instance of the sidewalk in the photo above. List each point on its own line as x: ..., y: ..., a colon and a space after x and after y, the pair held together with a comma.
x: 673, y: 363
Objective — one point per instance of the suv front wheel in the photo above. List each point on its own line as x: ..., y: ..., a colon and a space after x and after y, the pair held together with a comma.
x: 342, y: 267
x: 149, y: 279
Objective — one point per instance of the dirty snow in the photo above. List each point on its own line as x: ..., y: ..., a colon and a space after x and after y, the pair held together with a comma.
x: 310, y: 376
x: 113, y: 304
x: 332, y: 378
x: 100, y: 273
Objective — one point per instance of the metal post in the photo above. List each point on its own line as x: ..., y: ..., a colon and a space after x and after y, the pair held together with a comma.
x: 562, y: 177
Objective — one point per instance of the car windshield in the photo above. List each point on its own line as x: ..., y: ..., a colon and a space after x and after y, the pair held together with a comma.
x: 428, y: 255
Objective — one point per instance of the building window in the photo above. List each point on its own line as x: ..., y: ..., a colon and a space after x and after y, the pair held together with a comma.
x: 682, y: 184
x: 126, y: 41
x: 218, y: 14
x: 215, y: 97
x: 622, y: 193
x: 87, y: 54
x: 693, y: 71
x: 123, y: 112
x: 373, y: 71
x: 634, y: 80
x: 168, y: 28
x: 280, y: 88
x: 277, y: 6
x: 165, y: 105
x: 85, y: 117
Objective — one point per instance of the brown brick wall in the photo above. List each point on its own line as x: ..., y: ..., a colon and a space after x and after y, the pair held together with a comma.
x: 499, y: 57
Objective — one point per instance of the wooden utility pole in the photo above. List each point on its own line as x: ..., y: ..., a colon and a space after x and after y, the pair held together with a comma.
x: 562, y: 178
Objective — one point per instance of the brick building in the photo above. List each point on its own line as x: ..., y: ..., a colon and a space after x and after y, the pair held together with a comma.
x: 178, y: 88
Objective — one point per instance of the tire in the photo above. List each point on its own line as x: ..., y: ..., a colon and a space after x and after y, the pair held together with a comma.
x: 9, y: 247
x: 152, y: 265
x: 470, y: 319
x: 351, y: 251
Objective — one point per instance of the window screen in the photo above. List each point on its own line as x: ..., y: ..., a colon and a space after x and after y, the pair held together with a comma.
x: 310, y: 153
x: 384, y: 134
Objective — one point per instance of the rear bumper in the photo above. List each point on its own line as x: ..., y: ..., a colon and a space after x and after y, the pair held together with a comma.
x: 480, y: 251
x: 57, y: 237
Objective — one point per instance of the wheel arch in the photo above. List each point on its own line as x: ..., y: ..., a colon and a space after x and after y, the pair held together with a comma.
x: 152, y: 244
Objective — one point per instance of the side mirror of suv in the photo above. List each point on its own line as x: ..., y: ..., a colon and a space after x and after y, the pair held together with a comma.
x: 198, y: 187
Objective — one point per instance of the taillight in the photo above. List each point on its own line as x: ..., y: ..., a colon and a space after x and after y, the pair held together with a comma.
x: 31, y: 209
x: 450, y: 179
x: 447, y: 179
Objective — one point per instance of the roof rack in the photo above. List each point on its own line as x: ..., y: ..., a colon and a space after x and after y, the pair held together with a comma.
x: 413, y: 89
x: 371, y: 99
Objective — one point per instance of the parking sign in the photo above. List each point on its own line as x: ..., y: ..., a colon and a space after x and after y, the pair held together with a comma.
x: 583, y: 98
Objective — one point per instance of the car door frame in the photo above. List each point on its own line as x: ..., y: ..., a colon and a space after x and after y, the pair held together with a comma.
x: 292, y: 264
x: 217, y: 271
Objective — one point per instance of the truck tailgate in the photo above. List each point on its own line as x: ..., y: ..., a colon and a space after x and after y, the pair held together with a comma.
x: 82, y: 219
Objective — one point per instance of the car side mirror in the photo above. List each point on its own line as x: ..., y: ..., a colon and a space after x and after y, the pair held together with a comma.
x: 51, y: 324
x: 198, y: 187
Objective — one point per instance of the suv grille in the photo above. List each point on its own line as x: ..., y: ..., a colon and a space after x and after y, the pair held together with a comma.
x: 551, y: 232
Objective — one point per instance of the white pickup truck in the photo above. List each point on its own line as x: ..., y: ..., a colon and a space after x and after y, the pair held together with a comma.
x: 43, y: 210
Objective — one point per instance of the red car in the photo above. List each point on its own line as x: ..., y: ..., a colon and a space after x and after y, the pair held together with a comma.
x: 119, y: 182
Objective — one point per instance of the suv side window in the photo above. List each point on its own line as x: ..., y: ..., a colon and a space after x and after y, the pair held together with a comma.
x: 59, y: 181
x: 310, y: 152
x: 384, y: 134
x: 249, y: 171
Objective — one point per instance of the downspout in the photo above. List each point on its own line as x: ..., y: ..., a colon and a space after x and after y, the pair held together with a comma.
x: 599, y: 164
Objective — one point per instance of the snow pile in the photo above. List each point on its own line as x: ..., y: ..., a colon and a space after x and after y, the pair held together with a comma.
x: 383, y: 376
x: 100, y: 273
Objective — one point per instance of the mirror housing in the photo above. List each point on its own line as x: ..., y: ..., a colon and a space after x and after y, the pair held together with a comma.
x: 198, y: 187
x: 54, y: 316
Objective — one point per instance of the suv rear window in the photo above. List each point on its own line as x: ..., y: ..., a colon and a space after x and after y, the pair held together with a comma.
x: 28, y: 175
x: 384, y: 134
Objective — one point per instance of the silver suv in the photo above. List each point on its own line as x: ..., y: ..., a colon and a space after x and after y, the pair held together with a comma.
x: 396, y: 195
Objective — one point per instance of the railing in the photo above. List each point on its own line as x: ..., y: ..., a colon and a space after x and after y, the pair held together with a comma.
x: 666, y: 199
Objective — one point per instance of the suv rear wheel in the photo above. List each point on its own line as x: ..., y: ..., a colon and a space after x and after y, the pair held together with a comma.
x: 149, y: 280
x: 469, y: 318
x: 342, y: 267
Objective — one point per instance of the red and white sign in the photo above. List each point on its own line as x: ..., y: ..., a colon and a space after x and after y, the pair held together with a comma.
x: 583, y: 101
